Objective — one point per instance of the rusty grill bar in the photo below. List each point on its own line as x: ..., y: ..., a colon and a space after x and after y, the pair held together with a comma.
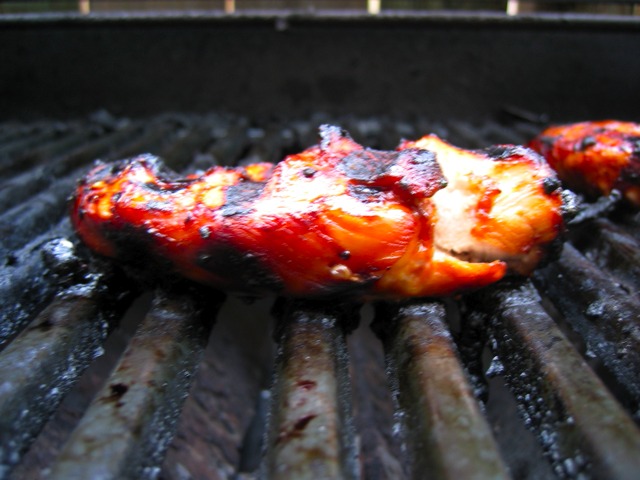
x: 441, y: 419
x: 311, y: 433
x: 562, y: 398
x: 565, y: 342
x: 125, y: 431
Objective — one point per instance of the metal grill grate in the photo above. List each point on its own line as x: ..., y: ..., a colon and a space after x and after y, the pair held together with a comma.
x: 565, y: 342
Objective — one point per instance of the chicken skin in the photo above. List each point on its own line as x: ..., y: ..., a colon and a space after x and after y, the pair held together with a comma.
x: 503, y: 203
x: 335, y: 219
x: 594, y: 158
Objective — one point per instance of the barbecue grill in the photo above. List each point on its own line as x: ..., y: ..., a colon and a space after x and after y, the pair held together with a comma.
x: 106, y: 376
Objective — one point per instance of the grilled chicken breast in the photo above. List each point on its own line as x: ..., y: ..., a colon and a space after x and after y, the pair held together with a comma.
x: 335, y: 219
x: 594, y: 158
x: 502, y: 203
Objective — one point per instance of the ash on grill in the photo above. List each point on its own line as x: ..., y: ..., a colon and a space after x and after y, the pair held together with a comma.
x: 106, y: 378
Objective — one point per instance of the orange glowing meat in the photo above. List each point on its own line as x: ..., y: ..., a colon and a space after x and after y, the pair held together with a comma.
x: 336, y: 219
x: 501, y: 203
x: 595, y: 158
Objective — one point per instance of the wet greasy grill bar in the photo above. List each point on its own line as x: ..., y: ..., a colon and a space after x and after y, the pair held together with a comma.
x: 105, y: 377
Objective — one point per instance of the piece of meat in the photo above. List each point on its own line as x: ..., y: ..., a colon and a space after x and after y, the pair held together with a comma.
x: 503, y: 202
x: 594, y: 158
x: 336, y: 219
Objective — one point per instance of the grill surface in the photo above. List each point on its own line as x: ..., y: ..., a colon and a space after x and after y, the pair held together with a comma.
x: 549, y: 365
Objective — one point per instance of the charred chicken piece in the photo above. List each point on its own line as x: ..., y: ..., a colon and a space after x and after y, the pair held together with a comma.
x: 503, y: 202
x: 336, y: 219
x: 594, y: 158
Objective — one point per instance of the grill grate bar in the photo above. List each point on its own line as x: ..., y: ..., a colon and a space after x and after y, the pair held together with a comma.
x: 25, y: 221
x: 583, y: 428
x: 633, y: 224
x: 603, y: 314
x: 266, y: 144
x: 12, y: 131
x: 154, y: 134
x: 440, y: 418
x: 26, y: 279
x: 229, y: 142
x: 617, y: 251
x: 310, y: 433
x: 12, y: 152
x: 57, y: 147
x: 179, y: 154
x: 126, y: 430
x: 42, y: 364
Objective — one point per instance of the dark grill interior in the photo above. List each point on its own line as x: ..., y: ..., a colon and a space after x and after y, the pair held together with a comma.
x: 104, y: 377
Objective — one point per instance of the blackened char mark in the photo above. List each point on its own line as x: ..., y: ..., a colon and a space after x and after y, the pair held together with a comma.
x: 421, y: 173
x: 103, y: 172
x: 239, y: 198
x: 366, y: 165
x: 365, y: 194
x: 136, y: 250
x: 511, y: 152
x: 241, y: 271
x: 551, y: 185
x: 159, y: 206
x: 414, y: 171
x: 165, y: 179
x: 339, y: 290
x: 331, y: 133
x: 547, y: 142
x: 158, y: 168
x: 167, y: 186
x: 587, y: 142
x: 630, y: 175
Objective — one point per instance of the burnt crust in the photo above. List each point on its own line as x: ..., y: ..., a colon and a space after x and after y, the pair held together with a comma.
x: 239, y: 198
x: 243, y: 271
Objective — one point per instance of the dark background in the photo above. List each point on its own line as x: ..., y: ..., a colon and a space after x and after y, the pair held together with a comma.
x: 438, y: 65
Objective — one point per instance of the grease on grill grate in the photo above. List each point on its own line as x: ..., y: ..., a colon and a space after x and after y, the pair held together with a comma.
x: 100, y: 379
